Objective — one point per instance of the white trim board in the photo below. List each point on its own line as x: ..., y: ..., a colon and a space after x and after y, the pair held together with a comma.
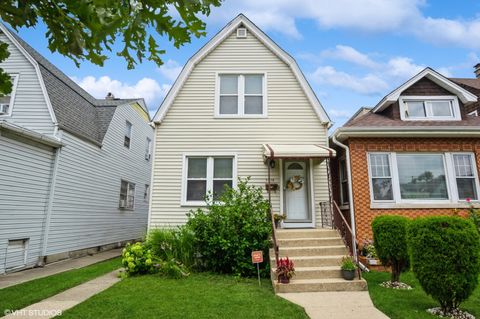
x: 217, y: 40
x: 465, y: 96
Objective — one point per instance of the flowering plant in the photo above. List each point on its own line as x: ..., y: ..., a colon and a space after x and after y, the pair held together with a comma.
x: 473, y: 214
x: 368, y: 249
x: 285, y: 268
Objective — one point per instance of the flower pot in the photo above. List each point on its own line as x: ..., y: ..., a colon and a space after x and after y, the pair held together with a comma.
x: 348, y: 274
x: 283, y: 279
x: 374, y: 262
x: 277, y: 224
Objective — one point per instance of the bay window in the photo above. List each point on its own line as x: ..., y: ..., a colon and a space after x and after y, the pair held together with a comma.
x: 241, y: 95
x: 207, y: 174
x: 422, y: 177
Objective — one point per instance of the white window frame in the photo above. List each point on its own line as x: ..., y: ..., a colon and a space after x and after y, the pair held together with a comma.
x: 127, y: 123
x: 14, y: 77
x: 127, y: 195
x: 241, y: 95
x: 343, y: 179
x: 210, y: 157
x: 450, y: 177
x: 148, y: 149
x: 428, y: 113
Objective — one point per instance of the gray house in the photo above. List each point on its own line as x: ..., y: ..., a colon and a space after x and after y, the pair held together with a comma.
x: 75, y: 170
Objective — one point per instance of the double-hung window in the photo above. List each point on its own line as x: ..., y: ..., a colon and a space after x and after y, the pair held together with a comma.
x: 343, y: 182
x: 127, y: 195
x: 422, y: 177
x: 128, y: 134
x: 241, y: 95
x: 6, y: 101
x: 148, y: 149
x: 207, y: 174
x: 435, y: 108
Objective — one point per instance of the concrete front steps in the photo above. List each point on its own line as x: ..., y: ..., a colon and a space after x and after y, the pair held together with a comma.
x: 317, y: 255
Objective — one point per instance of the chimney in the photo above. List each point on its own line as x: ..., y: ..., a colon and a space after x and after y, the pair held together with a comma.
x: 477, y: 70
x: 110, y: 95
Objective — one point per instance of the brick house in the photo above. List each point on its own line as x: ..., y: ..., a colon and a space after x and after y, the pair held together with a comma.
x: 416, y: 153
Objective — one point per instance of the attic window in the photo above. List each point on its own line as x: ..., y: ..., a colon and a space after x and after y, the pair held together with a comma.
x: 429, y: 108
x: 6, y: 101
x: 241, y: 33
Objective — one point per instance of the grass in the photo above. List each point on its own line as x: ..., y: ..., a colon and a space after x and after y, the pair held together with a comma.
x: 27, y: 293
x: 200, y: 295
x: 406, y: 304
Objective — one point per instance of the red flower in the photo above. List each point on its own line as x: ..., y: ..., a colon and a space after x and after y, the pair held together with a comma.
x: 468, y: 199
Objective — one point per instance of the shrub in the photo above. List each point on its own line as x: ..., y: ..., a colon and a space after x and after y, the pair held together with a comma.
x: 390, y: 240
x: 445, y: 254
x: 137, y: 259
x: 230, y: 228
x: 474, y: 215
x: 173, y: 244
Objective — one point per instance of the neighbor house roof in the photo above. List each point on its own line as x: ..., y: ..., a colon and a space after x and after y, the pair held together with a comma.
x: 217, y: 40
x: 75, y: 110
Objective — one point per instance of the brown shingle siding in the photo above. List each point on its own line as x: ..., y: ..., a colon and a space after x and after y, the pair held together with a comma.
x: 426, y: 87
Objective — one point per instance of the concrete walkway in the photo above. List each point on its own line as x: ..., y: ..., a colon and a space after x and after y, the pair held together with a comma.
x: 336, y: 305
x: 55, y: 268
x: 57, y: 304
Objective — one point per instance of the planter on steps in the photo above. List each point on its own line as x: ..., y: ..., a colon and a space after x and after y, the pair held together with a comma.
x: 348, y: 274
x: 283, y: 279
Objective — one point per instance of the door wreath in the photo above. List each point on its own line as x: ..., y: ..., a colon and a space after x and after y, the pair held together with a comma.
x: 295, y: 183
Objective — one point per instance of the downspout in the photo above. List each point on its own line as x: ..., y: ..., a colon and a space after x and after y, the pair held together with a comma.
x: 350, y: 192
x: 49, y: 208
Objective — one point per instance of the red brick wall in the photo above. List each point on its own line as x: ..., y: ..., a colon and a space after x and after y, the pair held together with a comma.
x: 360, y: 179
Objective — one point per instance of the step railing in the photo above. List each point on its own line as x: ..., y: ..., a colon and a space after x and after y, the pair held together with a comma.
x: 343, y: 227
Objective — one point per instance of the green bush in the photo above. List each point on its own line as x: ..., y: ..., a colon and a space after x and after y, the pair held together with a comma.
x: 390, y: 241
x: 445, y: 255
x: 137, y: 259
x: 173, y: 244
x: 230, y: 228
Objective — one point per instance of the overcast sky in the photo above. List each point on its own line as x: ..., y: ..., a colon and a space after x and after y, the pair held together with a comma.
x: 353, y: 52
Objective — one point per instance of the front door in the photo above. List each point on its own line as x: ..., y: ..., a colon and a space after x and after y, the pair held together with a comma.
x: 296, y: 192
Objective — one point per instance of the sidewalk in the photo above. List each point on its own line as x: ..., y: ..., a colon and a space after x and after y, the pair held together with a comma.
x: 55, y: 268
x: 57, y: 304
x: 336, y: 305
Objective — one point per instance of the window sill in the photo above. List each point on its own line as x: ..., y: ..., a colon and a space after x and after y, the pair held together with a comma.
x: 193, y: 204
x: 240, y: 117
x: 421, y: 205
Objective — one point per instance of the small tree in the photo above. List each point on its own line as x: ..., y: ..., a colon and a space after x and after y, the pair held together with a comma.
x: 445, y: 254
x: 390, y: 241
x: 231, y: 227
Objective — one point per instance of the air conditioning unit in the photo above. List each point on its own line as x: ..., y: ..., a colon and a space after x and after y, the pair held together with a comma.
x: 4, y: 108
x: 123, y: 203
x: 241, y: 33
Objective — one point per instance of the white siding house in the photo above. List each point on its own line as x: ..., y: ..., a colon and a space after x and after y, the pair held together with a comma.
x: 69, y: 183
x: 239, y: 93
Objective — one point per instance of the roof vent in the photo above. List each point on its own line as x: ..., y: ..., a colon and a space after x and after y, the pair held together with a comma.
x: 110, y: 96
x: 241, y: 33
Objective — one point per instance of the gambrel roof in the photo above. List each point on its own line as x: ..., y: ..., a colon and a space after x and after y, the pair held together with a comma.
x: 241, y: 20
x: 71, y: 107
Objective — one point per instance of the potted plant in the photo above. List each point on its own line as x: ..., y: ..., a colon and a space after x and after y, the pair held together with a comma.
x: 285, y: 270
x: 348, y: 268
x: 278, y: 219
x: 368, y: 251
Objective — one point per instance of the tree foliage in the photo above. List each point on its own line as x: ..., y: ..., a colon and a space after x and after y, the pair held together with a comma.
x: 445, y: 255
x: 390, y: 241
x: 88, y: 29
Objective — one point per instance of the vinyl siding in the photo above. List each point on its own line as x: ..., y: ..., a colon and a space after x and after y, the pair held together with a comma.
x: 24, y: 188
x: 30, y: 107
x: 85, y: 210
x: 190, y: 126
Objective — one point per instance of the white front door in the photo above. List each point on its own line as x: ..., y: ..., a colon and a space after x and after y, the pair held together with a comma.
x: 296, y: 192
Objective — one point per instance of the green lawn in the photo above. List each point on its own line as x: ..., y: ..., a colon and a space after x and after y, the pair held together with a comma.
x: 197, y: 296
x: 21, y: 295
x: 406, y: 304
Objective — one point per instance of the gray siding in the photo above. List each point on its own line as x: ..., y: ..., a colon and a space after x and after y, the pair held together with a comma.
x: 24, y: 189
x: 30, y: 107
x: 85, y: 210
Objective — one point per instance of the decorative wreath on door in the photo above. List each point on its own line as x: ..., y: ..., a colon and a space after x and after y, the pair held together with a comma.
x: 295, y: 183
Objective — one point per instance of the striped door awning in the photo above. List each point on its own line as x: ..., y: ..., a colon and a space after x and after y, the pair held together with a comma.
x: 273, y: 151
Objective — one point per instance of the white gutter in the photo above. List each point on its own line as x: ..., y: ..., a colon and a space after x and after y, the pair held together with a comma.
x: 350, y: 193
x: 29, y: 134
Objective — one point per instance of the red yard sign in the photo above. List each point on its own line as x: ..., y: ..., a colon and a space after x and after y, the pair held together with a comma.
x: 257, y: 257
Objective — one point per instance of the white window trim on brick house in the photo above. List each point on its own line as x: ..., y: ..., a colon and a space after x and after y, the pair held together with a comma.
x: 209, y: 178
x: 241, y: 95
x: 451, y: 183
